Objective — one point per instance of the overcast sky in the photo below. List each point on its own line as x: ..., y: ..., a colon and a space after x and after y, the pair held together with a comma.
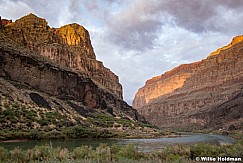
x: 139, y: 39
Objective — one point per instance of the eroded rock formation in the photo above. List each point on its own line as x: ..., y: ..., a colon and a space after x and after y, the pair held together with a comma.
x: 178, y: 97
x: 56, y: 69
x: 69, y: 46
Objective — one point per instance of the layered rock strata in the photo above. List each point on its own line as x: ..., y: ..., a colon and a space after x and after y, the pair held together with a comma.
x: 69, y: 46
x: 177, y: 97
x: 56, y: 69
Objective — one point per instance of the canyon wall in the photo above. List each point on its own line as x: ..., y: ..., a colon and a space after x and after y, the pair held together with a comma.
x: 178, y: 97
x: 69, y: 46
x: 56, y: 69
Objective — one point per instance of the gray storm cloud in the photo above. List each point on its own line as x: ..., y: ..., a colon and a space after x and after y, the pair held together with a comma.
x: 139, y: 25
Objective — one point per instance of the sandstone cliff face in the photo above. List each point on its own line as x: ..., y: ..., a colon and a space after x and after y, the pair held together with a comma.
x: 176, y: 98
x: 164, y: 84
x: 56, y: 69
x: 69, y: 46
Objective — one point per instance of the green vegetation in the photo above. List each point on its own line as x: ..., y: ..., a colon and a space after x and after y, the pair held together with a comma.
x: 110, y: 121
x: 73, y: 132
x: 20, y: 121
x: 114, y: 153
x: 23, y: 122
x: 23, y: 114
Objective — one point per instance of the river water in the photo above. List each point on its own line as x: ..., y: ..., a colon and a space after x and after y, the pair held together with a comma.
x: 145, y: 145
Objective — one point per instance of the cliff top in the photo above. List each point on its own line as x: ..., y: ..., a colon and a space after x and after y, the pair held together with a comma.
x: 31, y: 29
x: 235, y: 40
x: 73, y: 33
x: 29, y: 20
x: 69, y: 46
x: 177, y: 70
x: 185, y: 67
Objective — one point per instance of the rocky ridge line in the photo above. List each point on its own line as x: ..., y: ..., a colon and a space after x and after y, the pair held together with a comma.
x: 46, y: 94
x: 69, y: 46
x: 175, y: 98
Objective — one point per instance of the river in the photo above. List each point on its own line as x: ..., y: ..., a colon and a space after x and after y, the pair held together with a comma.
x: 144, y: 145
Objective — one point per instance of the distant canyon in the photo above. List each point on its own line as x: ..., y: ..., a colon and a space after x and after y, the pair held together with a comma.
x: 204, y: 94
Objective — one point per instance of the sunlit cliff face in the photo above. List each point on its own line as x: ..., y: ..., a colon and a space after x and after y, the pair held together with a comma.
x: 164, y: 84
x: 172, y: 80
x: 191, y: 94
x: 69, y: 46
x: 234, y: 41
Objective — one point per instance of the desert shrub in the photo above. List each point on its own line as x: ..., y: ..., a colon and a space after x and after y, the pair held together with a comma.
x: 145, y: 125
x: 51, y: 117
x: 83, y: 132
x: 15, y: 134
x: 39, y: 153
x: 103, y: 152
x: 18, y: 155
x: 199, y: 150
x: 115, y: 153
x: 61, y: 154
x: 83, y: 152
x: 43, y: 122
x: 235, y: 150
x: 2, y: 118
x: 75, y: 132
x: 129, y: 152
x: 3, y: 154
x: 34, y: 134
x: 18, y: 112
x: 47, y: 153
x: 9, y: 113
x: 171, y: 154
x: 124, y: 122
x: 80, y: 132
x: 31, y: 115
x: 52, y: 135
x: 103, y: 117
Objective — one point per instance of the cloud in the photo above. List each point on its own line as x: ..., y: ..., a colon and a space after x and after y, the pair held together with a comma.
x: 228, y: 22
x: 141, y: 22
x: 140, y: 39
x: 14, y: 9
x: 175, y: 46
x: 134, y: 27
x: 197, y: 16
x: 210, y: 15
x: 56, y: 12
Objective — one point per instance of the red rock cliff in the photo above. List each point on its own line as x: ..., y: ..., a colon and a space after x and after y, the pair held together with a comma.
x: 55, y: 69
x: 176, y: 98
x: 69, y: 46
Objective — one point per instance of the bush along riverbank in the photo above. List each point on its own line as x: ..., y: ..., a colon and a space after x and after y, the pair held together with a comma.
x: 129, y: 153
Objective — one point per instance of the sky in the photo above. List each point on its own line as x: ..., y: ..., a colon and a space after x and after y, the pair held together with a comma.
x: 140, y: 39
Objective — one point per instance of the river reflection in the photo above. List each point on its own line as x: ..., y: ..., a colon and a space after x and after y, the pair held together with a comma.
x: 145, y: 145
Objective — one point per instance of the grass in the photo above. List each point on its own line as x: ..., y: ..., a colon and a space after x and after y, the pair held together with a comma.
x: 21, y: 122
x: 129, y: 153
